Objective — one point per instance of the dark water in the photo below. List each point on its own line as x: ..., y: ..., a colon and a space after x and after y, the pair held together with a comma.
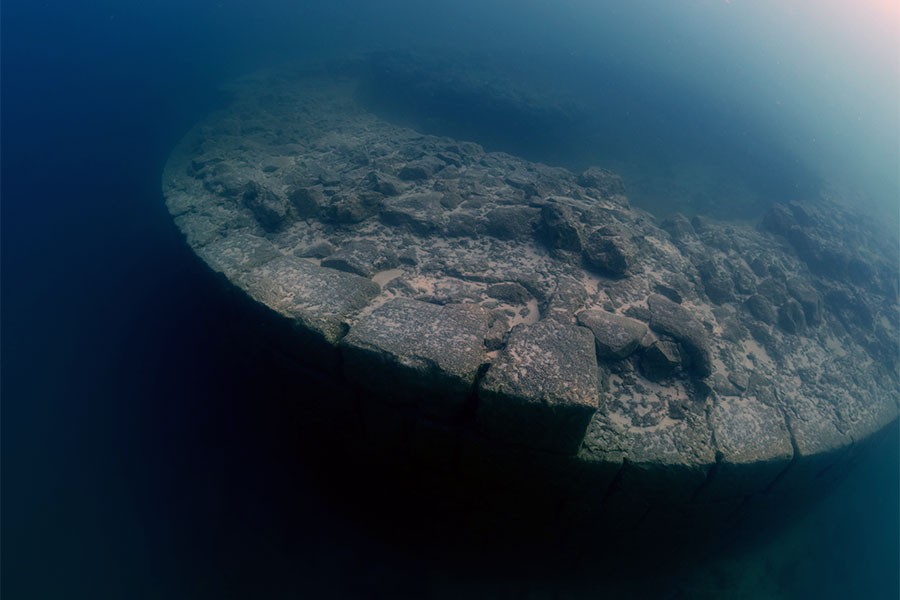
x: 142, y: 453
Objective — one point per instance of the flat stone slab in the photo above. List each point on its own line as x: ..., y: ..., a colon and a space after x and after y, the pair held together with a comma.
x: 415, y: 352
x: 541, y: 391
x: 529, y: 308
x: 754, y: 445
x: 320, y: 300
x: 656, y: 441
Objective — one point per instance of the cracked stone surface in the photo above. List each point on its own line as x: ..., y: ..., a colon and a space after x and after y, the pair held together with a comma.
x: 687, y: 360
x: 542, y: 390
x: 414, y: 351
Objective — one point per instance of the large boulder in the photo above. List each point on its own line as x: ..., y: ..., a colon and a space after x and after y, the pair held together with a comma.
x: 512, y: 222
x: 346, y: 208
x: 420, y: 213
x: 383, y: 183
x: 559, y: 228
x: 568, y: 298
x: 791, y: 318
x: 672, y: 319
x: 610, y: 255
x: 604, y: 181
x: 660, y: 361
x: 760, y: 307
x: 616, y: 336
x: 307, y: 201
x: 270, y: 209
x: 717, y: 283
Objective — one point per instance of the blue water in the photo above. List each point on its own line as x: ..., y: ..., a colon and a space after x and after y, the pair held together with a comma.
x: 134, y: 463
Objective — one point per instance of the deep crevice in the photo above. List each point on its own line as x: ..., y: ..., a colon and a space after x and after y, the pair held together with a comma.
x: 714, y: 469
x: 615, y: 484
x: 794, y: 457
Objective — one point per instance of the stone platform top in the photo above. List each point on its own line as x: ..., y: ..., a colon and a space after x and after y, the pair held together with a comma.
x: 535, y: 305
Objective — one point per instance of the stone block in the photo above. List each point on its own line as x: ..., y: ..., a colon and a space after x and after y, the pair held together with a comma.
x: 616, y: 336
x: 543, y: 388
x: 754, y: 447
x: 318, y: 301
x: 672, y: 319
x: 413, y: 352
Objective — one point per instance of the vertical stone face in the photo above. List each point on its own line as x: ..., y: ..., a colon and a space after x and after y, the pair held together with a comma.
x: 734, y: 361
x: 542, y: 390
x: 413, y: 352
x: 656, y: 461
x: 754, y: 446
x: 319, y: 300
x: 314, y: 302
x: 819, y: 442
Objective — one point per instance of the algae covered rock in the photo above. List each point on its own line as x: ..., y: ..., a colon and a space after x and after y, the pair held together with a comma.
x: 485, y: 306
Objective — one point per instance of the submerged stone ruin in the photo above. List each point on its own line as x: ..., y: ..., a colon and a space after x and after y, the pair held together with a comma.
x: 508, y: 320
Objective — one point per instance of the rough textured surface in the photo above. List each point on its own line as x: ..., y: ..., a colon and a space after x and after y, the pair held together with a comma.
x: 754, y: 446
x: 319, y: 299
x: 670, y: 318
x: 415, y: 352
x: 716, y: 360
x: 616, y: 336
x: 542, y: 390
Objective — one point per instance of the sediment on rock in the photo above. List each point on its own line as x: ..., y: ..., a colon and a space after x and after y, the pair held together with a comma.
x: 487, y: 308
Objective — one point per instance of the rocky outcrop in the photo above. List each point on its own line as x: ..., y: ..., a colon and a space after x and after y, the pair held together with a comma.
x: 507, y: 313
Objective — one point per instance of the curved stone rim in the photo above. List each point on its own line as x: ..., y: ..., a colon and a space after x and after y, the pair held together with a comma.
x: 536, y: 395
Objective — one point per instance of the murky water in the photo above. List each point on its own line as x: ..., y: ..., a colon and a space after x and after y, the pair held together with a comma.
x: 148, y: 448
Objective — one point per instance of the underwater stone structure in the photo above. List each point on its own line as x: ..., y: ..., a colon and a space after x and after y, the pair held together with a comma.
x: 506, y: 319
